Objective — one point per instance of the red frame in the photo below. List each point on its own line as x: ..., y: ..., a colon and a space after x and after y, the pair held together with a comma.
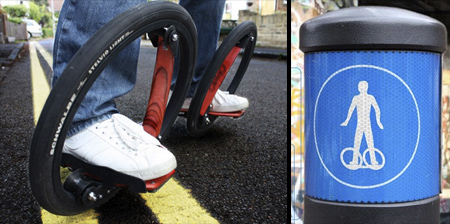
x: 159, y: 92
x: 218, y: 79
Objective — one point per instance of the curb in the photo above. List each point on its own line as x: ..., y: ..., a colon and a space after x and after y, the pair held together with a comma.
x: 270, y: 55
x: 12, y: 56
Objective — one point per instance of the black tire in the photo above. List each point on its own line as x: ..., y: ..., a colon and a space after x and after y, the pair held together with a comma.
x: 76, y: 80
x: 244, y: 36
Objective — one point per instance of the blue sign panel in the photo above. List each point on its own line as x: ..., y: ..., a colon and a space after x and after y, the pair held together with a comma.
x: 372, y: 125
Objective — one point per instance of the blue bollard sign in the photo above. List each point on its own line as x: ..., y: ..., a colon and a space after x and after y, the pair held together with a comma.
x: 372, y: 134
x: 372, y: 116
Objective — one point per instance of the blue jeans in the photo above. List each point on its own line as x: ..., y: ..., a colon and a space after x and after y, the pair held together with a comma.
x: 80, y: 19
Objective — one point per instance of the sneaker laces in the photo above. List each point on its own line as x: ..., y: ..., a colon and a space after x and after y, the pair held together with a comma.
x: 128, y: 133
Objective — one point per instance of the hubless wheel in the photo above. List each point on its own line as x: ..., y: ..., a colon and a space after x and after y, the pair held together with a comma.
x: 78, y: 77
x: 241, y: 37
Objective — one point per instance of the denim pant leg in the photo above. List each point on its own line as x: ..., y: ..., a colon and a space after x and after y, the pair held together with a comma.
x: 207, y: 16
x: 78, y: 21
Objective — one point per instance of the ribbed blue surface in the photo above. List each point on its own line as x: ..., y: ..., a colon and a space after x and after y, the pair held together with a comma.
x: 405, y: 88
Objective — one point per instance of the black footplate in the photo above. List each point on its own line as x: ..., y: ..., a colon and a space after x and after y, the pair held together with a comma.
x: 112, y: 178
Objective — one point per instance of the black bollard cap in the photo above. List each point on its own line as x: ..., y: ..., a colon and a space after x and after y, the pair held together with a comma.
x: 373, y: 28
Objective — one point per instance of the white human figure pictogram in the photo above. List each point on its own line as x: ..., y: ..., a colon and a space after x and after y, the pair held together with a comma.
x: 363, y: 102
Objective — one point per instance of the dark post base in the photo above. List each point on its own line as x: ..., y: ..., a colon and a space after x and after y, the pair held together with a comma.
x: 424, y: 211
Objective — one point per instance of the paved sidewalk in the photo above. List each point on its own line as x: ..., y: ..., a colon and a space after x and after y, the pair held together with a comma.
x: 10, y: 52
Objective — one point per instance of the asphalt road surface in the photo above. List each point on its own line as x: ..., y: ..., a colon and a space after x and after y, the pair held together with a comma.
x: 236, y: 173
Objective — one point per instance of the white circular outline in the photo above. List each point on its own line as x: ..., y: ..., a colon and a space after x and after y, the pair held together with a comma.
x: 418, y: 128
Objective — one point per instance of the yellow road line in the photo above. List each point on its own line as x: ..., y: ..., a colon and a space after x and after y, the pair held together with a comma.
x: 39, y: 84
x: 89, y: 217
x: 41, y: 89
x: 174, y: 204
x: 171, y: 204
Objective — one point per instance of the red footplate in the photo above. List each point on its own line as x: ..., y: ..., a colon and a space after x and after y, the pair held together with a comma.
x: 155, y: 184
x: 234, y: 114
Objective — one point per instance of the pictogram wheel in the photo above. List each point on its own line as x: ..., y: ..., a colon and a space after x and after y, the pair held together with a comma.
x: 374, y: 166
x: 351, y: 166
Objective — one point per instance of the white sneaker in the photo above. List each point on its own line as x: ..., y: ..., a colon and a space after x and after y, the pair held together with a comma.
x: 122, y: 145
x: 223, y: 102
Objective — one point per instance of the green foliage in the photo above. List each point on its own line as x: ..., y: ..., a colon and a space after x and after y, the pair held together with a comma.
x: 40, y: 14
x: 16, y: 10
x: 15, y: 13
x: 47, y: 32
x: 35, y: 12
x: 15, y: 20
x: 47, y: 20
x: 40, y: 2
